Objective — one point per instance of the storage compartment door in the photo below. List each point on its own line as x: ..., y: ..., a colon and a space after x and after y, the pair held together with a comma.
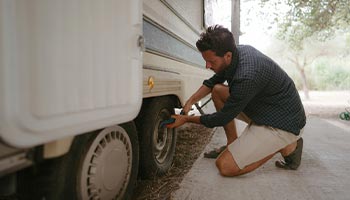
x: 67, y: 67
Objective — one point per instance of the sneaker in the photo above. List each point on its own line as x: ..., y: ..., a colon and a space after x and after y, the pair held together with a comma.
x: 215, y: 152
x: 293, y: 160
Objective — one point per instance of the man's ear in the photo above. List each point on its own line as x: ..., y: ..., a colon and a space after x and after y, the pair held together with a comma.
x: 228, y: 57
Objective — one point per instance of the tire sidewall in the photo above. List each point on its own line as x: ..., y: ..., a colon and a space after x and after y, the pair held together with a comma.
x: 149, y: 165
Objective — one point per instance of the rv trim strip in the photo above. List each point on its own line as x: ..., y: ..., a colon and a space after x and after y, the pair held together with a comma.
x: 180, y: 16
x: 165, y: 55
x: 158, y: 69
x: 149, y: 20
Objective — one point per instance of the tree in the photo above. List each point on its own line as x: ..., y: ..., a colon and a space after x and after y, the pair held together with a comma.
x: 301, y: 59
x: 310, y: 18
x: 300, y: 22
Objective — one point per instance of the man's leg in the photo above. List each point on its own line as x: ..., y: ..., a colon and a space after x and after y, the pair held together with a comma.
x: 228, y: 167
x: 225, y: 163
x: 256, y: 145
x: 288, y: 149
x: 291, y: 155
x: 219, y: 95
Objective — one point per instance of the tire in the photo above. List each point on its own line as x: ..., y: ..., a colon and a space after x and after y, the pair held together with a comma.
x: 100, y: 165
x: 157, y: 144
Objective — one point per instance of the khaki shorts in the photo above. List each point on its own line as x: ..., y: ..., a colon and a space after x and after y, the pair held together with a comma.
x: 258, y: 141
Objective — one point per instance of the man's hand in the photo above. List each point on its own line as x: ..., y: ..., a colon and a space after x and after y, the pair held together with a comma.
x: 201, y: 92
x: 179, y: 120
x: 187, y: 107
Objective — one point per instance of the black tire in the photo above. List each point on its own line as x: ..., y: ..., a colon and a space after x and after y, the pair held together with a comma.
x: 157, y: 144
x: 78, y: 174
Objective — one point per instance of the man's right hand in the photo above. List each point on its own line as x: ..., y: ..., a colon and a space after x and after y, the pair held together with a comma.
x: 187, y: 107
x: 201, y: 92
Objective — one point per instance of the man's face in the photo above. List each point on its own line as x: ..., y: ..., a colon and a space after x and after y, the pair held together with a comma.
x: 216, y: 63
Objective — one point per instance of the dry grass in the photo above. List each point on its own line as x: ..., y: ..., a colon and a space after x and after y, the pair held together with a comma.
x: 191, y: 140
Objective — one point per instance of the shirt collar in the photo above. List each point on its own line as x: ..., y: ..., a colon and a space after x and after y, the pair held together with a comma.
x: 231, y: 69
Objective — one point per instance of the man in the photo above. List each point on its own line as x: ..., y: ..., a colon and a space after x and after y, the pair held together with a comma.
x: 258, y: 92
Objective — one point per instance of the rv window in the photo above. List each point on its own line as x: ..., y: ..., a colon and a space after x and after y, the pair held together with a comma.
x: 208, y: 13
x: 217, y: 12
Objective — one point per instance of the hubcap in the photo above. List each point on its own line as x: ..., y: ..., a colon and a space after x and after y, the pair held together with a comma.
x: 107, y: 165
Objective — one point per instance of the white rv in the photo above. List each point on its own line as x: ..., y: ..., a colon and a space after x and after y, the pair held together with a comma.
x: 84, y: 85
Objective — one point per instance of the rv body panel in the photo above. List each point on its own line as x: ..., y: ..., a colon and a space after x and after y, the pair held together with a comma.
x: 67, y: 67
x: 171, y: 77
x: 171, y: 31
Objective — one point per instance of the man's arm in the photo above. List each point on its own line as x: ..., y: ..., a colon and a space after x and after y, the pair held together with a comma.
x: 244, y: 91
x: 181, y: 119
x: 198, y: 95
x: 203, y: 91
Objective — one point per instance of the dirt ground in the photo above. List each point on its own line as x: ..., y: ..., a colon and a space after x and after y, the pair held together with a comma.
x: 192, y: 139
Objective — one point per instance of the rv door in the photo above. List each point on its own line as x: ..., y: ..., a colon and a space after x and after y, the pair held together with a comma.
x: 67, y: 67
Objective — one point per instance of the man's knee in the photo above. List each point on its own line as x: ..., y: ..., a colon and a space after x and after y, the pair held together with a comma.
x: 219, y: 91
x: 219, y: 88
x: 226, y: 165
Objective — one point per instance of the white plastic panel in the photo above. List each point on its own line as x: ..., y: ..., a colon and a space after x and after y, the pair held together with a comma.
x: 161, y: 14
x: 67, y: 67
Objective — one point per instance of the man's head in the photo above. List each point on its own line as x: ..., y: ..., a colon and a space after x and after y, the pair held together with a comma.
x: 217, y: 47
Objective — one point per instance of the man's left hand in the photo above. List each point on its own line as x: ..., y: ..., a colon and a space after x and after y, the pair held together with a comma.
x: 179, y: 121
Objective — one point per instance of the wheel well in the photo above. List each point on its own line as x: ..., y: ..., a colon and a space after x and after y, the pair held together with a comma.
x: 174, y: 98
x: 147, y: 101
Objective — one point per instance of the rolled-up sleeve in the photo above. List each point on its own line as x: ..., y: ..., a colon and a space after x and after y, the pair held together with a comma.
x: 241, y: 92
x: 215, y: 79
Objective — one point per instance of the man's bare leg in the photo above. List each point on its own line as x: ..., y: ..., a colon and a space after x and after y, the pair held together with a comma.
x: 228, y: 167
x: 291, y: 155
x: 288, y: 149
x: 219, y: 95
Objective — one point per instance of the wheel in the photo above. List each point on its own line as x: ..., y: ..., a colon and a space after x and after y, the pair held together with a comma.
x: 101, y: 165
x: 107, y: 170
x: 157, y: 144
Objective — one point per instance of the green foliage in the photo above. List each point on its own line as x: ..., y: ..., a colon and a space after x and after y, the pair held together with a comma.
x: 313, y: 35
x: 306, y: 18
x: 329, y: 76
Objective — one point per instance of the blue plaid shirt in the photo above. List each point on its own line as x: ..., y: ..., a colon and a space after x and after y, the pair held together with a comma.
x: 259, y: 88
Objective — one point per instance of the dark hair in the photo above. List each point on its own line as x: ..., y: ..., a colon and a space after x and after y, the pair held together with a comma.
x: 218, y: 39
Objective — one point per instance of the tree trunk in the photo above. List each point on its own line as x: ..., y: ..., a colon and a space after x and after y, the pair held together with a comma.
x: 305, y: 85
x: 235, y: 20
